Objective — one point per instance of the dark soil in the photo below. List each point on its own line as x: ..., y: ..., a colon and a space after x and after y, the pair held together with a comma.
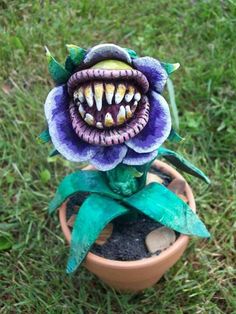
x: 127, y: 242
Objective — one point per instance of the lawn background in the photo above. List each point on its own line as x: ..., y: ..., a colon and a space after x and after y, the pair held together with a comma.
x: 200, y: 35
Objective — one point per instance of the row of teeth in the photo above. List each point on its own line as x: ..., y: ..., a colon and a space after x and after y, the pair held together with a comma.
x: 122, y: 92
x: 124, y: 114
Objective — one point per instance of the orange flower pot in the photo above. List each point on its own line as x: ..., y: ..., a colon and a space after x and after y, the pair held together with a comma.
x: 134, y: 276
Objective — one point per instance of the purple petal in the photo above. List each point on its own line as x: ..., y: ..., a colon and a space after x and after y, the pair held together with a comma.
x: 135, y: 159
x: 108, y: 158
x: 105, y: 52
x: 60, y: 127
x: 154, y: 72
x: 157, y: 129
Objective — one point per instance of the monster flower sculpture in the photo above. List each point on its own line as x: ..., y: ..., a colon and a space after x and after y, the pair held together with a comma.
x: 110, y: 110
x: 107, y: 109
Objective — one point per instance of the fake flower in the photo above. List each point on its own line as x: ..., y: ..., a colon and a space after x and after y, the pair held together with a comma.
x: 107, y: 106
x: 107, y: 109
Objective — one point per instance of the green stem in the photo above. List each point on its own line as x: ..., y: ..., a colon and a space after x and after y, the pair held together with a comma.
x: 126, y: 180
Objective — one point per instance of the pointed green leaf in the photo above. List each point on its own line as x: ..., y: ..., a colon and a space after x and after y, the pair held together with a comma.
x: 173, y: 106
x: 69, y: 65
x: 94, y: 214
x: 181, y: 163
x: 81, y: 181
x: 170, y: 67
x: 77, y: 54
x: 53, y: 152
x: 44, y: 137
x: 174, y: 137
x: 132, y: 53
x: 162, y: 205
x: 58, y: 73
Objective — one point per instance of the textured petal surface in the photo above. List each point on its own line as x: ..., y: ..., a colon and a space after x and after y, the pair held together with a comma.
x: 157, y: 129
x: 60, y: 128
x: 106, y: 51
x: 135, y: 159
x: 108, y: 158
x: 154, y: 72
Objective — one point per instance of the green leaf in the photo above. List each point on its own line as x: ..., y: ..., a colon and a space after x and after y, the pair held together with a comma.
x: 44, y: 137
x: 69, y: 65
x: 181, y: 163
x: 6, y: 241
x: 45, y: 176
x: 94, y: 214
x: 58, y: 73
x: 53, y: 152
x: 132, y: 53
x: 173, y: 106
x: 162, y: 205
x: 81, y: 181
x: 170, y: 67
x: 77, y: 54
x: 174, y: 137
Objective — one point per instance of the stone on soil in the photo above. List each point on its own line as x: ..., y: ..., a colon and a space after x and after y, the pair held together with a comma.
x: 160, y: 239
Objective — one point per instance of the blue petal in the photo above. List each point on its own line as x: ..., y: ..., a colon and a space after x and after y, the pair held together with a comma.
x: 157, y: 129
x: 136, y: 159
x: 62, y: 134
x: 108, y: 158
x: 153, y: 71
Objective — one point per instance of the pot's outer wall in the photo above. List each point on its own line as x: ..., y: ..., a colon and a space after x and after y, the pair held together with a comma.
x: 134, y: 276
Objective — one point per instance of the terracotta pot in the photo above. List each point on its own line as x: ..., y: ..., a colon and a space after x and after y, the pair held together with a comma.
x: 133, y: 276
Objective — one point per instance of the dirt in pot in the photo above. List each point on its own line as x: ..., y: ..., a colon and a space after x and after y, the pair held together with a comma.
x: 127, y: 241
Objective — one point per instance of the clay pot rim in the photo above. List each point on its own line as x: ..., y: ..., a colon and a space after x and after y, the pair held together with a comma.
x: 166, y: 254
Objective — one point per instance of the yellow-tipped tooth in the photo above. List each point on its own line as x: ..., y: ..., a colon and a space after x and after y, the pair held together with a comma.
x: 128, y: 112
x: 120, y: 93
x: 108, y: 120
x: 98, y: 94
x: 129, y: 96
x: 121, y: 115
x: 89, y: 95
x: 109, y: 90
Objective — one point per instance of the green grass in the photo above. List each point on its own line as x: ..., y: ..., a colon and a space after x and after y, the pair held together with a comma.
x: 198, y: 34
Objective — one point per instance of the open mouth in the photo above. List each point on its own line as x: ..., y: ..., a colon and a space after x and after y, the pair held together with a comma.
x: 108, y: 106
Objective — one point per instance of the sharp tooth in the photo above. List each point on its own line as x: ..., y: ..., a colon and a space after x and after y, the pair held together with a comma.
x: 89, y: 95
x: 98, y: 91
x: 135, y: 104
x: 128, y: 112
x: 120, y: 93
x: 109, y: 88
x: 137, y: 96
x: 80, y: 94
x: 81, y: 111
x: 89, y: 119
x: 99, y: 125
x: 129, y: 96
x: 109, y: 120
x: 121, y: 115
